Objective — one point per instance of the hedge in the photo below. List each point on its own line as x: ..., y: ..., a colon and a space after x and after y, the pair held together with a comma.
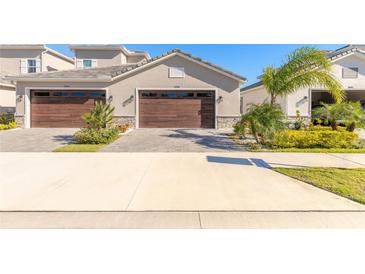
x: 315, y: 139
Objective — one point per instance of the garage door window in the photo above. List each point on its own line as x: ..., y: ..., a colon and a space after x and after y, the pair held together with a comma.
x: 204, y: 94
x: 60, y: 93
x: 149, y: 94
x: 41, y: 93
x: 168, y: 94
x: 79, y: 94
x: 97, y: 94
x: 186, y: 94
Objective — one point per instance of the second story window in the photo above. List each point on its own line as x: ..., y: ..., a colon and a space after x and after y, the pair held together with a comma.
x: 31, y: 65
x: 87, y: 63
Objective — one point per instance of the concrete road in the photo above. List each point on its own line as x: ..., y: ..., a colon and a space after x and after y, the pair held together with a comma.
x: 163, y: 182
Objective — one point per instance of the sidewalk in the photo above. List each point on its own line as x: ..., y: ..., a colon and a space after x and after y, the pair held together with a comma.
x: 174, y: 219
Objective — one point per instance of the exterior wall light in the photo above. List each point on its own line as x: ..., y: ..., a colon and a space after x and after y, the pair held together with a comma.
x: 220, y: 99
x: 110, y: 99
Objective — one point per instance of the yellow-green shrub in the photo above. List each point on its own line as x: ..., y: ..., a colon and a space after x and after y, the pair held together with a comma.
x: 315, y: 139
x: 8, y: 126
x: 324, y: 128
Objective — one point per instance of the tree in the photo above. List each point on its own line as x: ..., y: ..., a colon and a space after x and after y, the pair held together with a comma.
x: 305, y: 67
x: 100, y: 116
x: 264, y: 120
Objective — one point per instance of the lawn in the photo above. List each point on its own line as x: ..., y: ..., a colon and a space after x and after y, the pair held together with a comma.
x: 349, y: 183
x: 314, y: 150
x: 80, y: 148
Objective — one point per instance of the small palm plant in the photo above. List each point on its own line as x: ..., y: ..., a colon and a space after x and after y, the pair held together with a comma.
x: 264, y: 121
x: 330, y: 114
x: 100, y: 116
x: 354, y: 116
x: 305, y: 67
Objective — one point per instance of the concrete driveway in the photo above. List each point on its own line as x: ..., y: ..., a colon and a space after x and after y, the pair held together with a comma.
x: 34, y: 139
x: 160, y: 182
x: 174, y: 140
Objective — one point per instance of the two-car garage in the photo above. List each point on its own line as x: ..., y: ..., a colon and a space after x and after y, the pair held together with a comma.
x: 157, y: 109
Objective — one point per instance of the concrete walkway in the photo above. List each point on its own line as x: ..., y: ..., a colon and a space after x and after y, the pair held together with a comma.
x: 174, y: 140
x: 184, y: 219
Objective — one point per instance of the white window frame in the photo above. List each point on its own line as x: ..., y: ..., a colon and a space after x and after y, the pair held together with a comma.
x: 176, y: 72
x: 83, y: 63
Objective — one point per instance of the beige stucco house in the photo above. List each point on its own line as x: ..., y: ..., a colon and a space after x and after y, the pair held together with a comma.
x: 175, y: 89
x: 26, y: 59
x: 348, y: 66
x: 91, y: 56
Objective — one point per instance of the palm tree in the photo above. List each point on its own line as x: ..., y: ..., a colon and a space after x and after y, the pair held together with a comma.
x: 305, y: 67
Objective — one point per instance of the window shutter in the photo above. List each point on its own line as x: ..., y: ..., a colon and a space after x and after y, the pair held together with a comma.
x: 94, y: 63
x: 79, y: 63
x: 350, y: 72
x: 23, y: 66
x: 176, y: 72
x: 38, y: 65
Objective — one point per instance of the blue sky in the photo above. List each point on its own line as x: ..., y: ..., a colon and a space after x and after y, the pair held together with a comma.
x: 246, y: 60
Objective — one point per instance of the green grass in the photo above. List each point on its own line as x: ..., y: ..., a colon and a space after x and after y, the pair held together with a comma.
x: 314, y: 150
x: 79, y: 148
x: 349, y: 183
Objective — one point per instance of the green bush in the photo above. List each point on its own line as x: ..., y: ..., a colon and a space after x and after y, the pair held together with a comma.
x: 324, y: 128
x: 315, y: 139
x: 9, y: 125
x: 100, y: 116
x: 93, y: 136
x: 6, y: 118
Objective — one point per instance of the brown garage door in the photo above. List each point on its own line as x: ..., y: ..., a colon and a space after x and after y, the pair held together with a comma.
x: 62, y: 108
x: 182, y: 109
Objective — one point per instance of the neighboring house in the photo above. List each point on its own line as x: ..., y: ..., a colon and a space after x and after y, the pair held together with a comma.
x: 348, y: 66
x: 174, y: 90
x: 91, y: 56
x: 26, y: 59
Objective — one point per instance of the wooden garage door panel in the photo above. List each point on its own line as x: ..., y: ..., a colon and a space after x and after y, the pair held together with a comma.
x: 59, y: 111
x: 174, y: 113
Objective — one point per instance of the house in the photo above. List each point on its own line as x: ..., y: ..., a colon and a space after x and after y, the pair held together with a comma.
x: 173, y: 90
x: 91, y: 56
x: 26, y: 59
x: 348, y: 66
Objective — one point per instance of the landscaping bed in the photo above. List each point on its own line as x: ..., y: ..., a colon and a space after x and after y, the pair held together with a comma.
x: 349, y: 183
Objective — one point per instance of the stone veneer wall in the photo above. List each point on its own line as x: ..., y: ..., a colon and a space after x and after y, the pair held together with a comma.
x: 19, y: 120
x: 119, y: 120
x: 227, y: 122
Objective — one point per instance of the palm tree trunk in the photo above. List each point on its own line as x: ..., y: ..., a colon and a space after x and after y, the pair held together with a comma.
x: 254, y: 132
x: 334, y: 125
x: 351, y: 127
x: 273, y: 99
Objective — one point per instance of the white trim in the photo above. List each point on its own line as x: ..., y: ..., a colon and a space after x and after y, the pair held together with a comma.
x: 7, y: 85
x: 137, y: 90
x: 182, y: 56
x: 33, y: 79
x: 27, y: 106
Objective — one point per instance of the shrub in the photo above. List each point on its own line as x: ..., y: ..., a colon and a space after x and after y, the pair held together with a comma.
x: 324, y: 128
x: 100, y: 116
x: 315, y: 139
x: 6, y: 118
x: 264, y: 120
x: 299, y: 121
x: 254, y: 146
x: 123, y: 127
x: 93, y: 136
x: 10, y: 125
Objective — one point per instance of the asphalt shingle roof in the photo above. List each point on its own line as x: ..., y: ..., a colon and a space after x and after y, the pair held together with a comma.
x: 108, y: 73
